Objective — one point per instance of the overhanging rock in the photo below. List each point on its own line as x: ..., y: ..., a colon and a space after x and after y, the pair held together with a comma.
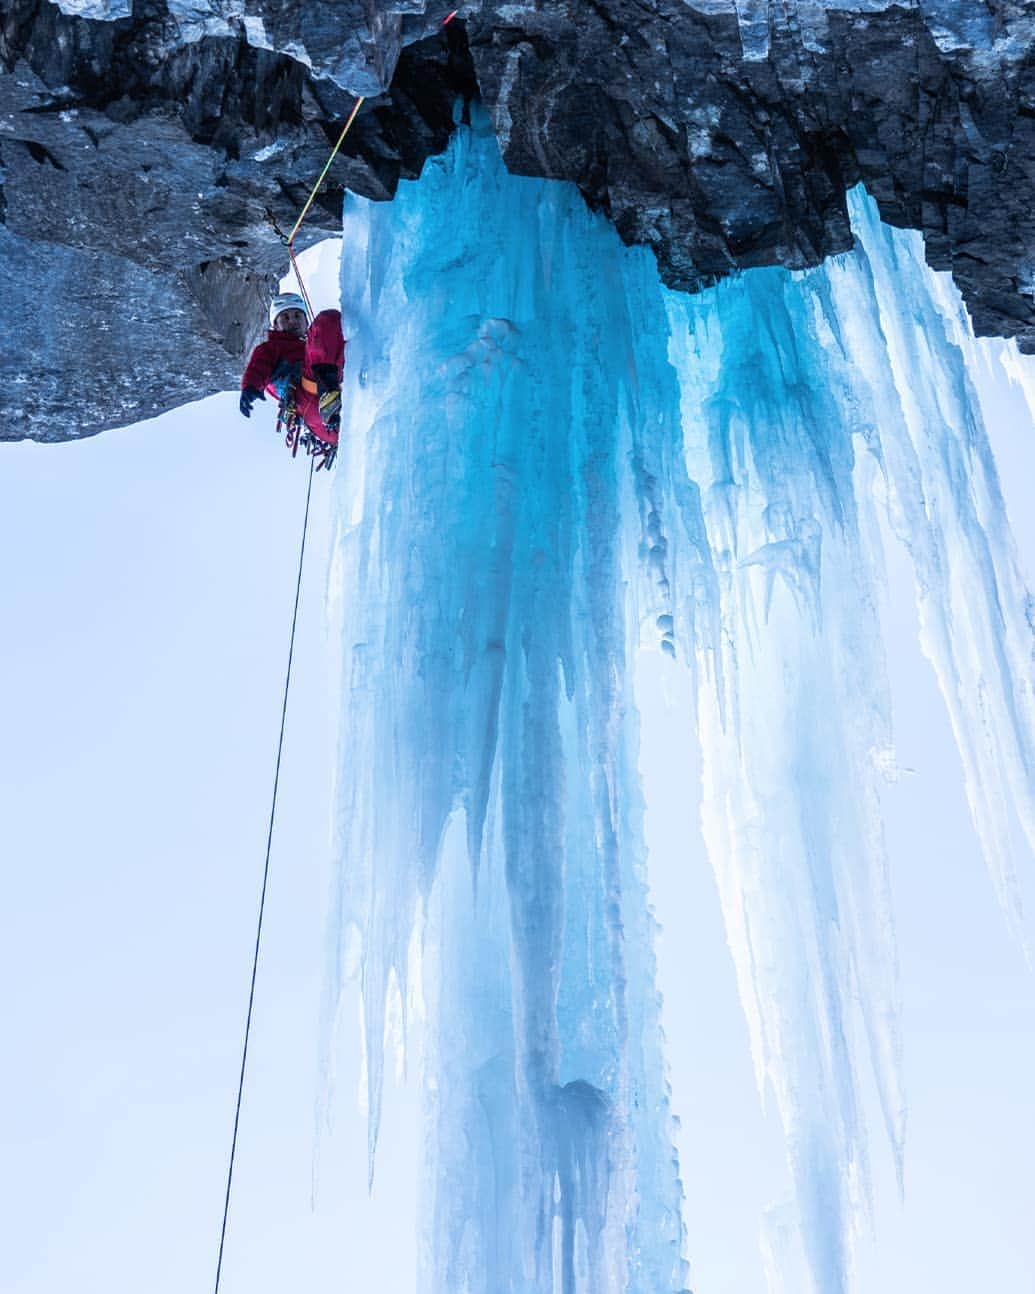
x: 723, y: 136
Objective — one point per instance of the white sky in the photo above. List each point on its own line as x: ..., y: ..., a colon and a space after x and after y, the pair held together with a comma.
x: 146, y: 602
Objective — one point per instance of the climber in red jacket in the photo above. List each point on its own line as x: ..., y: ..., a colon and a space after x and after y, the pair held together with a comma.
x: 301, y: 364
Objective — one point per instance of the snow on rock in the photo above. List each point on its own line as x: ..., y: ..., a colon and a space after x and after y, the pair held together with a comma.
x: 106, y: 10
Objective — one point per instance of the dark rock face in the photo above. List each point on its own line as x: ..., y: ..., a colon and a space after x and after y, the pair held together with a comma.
x: 721, y: 162
x: 143, y: 154
x: 145, y: 164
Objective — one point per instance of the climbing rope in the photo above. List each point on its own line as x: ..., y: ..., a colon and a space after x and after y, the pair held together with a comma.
x: 265, y: 883
x: 327, y: 459
x: 289, y: 239
x: 295, y: 438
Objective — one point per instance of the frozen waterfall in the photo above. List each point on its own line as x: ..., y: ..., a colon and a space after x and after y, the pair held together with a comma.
x: 550, y: 460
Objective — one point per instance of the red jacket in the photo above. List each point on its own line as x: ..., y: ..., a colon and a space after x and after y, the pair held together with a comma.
x: 279, y: 349
x: 278, y: 363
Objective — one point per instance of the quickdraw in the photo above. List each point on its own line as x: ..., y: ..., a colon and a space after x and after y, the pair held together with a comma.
x: 297, y: 435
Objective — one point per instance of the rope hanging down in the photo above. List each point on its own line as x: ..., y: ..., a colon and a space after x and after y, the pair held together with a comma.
x: 289, y: 242
x: 265, y: 882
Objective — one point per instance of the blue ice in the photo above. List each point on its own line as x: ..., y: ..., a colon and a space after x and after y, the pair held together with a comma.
x: 550, y: 460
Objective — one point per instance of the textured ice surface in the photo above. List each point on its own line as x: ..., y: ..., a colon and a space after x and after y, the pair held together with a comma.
x: 792, y: 724
x: 497, y: 391
x: 548, y: 460
x: 945, y: 504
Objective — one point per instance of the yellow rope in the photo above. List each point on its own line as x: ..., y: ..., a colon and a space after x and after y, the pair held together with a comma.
x: 323, y: 174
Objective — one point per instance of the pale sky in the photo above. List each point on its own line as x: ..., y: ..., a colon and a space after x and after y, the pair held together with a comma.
x: 146, y: 598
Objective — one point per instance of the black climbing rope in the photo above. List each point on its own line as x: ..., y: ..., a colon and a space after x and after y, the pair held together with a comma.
x: 265, y: 880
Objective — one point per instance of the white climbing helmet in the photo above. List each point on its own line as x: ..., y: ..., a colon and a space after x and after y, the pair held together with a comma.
x: 286, y: 301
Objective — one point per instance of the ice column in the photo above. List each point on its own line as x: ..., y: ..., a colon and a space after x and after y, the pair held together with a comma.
x: 502, y: 371
x: 548, y: 459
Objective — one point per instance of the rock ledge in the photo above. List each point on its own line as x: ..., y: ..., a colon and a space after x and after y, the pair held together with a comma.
x: 144, y: 154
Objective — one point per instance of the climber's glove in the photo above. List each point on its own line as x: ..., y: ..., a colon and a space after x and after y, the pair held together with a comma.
x: 248, y: 397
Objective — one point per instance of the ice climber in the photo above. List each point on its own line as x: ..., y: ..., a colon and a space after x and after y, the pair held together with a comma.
x: 301, y: 363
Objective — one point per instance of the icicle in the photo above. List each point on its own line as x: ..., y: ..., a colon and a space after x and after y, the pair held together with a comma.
x: 976, y: 614
x: 789, y: 736
x: 499, y: 371
x: 549, y: 460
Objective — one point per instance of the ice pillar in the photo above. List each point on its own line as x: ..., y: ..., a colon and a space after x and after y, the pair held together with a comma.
x: 502, y: 373
x: 548, y: 458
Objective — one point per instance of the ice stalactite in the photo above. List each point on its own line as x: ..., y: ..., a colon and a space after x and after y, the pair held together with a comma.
x: 794, y: 730
x: 549, y: 459
x: 496, y: 386
x: 913, y: 352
